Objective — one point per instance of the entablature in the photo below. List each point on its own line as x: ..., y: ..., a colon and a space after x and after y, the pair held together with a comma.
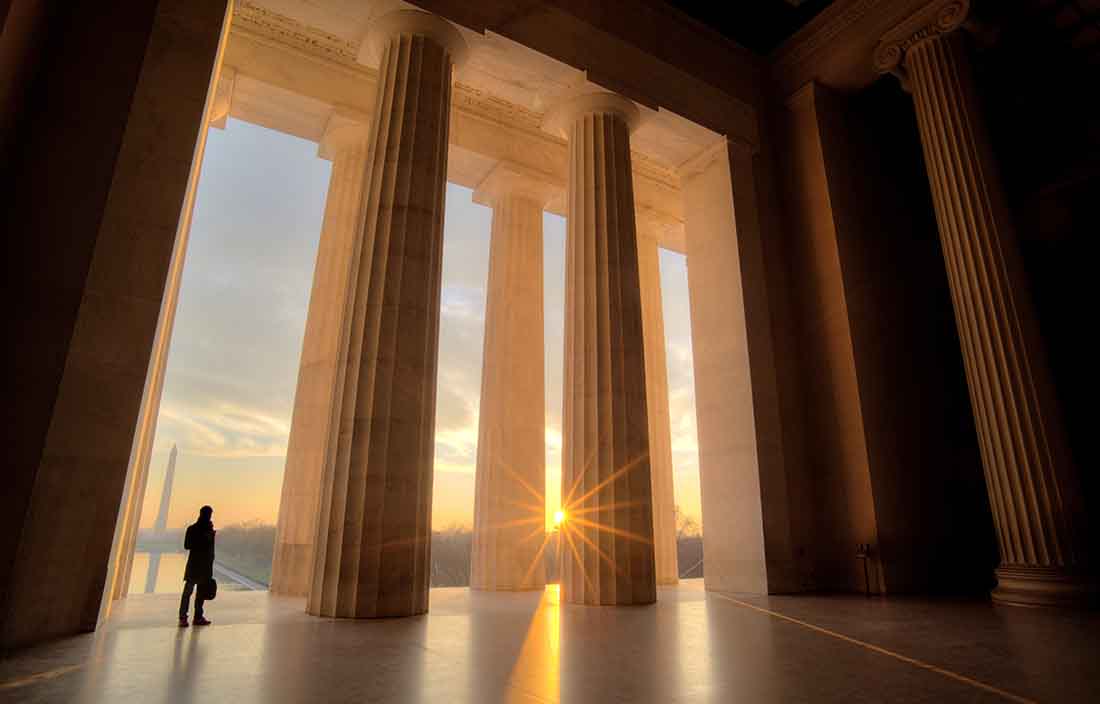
x: 289, y: 77
x: 836, y: 48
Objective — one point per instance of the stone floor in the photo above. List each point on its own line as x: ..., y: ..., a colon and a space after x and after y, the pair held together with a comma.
x: 481, y: 647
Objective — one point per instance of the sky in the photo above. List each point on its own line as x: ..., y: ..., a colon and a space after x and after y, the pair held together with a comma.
x: 233, y: 359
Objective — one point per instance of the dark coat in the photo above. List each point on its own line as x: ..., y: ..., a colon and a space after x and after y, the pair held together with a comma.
x: 199, y: 540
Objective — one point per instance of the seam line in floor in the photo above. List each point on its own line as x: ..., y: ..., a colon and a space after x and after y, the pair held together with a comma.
x: 881, y: 651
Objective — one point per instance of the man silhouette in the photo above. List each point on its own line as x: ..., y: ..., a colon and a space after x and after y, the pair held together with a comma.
x: 199, y: 541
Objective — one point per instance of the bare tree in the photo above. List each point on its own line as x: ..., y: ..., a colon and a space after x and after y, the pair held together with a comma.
x: 451, y: 557
x: 686, y: 526
x: 689, y: 545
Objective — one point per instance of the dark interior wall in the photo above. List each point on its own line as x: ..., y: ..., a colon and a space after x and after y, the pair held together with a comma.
x: 785, y: 349
x: 934, y: 523
x: 1043, y: 114
x: 22, y: 26
x: 840, y: 510
x: 94, y: 194
x: 55, y: 185
x: 1061, y: 222
x: 889, y: 445
x: 1045, y: 125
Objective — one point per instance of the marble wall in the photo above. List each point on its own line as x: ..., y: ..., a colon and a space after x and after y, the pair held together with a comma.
x: 94, y: 248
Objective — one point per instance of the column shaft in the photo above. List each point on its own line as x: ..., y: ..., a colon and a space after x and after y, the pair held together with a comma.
x: 510, y: 512
x: 374, y: 533
x: 1033, y: 485
x: 656, y: 392
x: 744, y: 476
x: 310, y: 428
x: 608, y: 556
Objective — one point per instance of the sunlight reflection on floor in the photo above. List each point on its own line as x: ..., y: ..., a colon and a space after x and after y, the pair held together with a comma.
x: 537, y: 667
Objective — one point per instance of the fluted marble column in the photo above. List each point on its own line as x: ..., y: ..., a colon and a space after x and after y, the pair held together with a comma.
x: 374, y: 525
x: 509, y: 508
x: 608, y: 555
x: 345, y: 145
x: 656, y: 392
x: 1033, y: 485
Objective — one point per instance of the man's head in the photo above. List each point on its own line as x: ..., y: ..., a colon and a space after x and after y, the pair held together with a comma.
x: 205, y: 513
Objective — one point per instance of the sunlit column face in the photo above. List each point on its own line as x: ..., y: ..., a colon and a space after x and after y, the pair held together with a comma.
x: 608, y: 556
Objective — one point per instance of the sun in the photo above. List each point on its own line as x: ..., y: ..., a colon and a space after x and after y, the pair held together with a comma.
x: 559, y: 518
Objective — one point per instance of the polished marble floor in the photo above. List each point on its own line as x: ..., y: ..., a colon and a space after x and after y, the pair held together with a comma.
x: 483, y: 648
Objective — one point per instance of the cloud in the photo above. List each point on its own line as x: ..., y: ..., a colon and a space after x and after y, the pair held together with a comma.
x: 463, y: 304
x: 221, y: 429
x: 454, y: 411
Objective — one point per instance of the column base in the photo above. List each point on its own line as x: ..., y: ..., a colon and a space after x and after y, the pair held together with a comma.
x: 1044, y: 586
x: 368, y: 617
x: 531, y: 588
x: 291, y: 573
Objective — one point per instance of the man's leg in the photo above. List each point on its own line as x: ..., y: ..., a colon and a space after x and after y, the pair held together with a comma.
x: 185, y: 600
x: 199, y: 601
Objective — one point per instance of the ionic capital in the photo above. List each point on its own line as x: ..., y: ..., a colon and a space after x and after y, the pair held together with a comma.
x: 346, y: 128
x: 934, y: 19
x: 414, y: 22
x: 509, y: 179
x: 561, y: 116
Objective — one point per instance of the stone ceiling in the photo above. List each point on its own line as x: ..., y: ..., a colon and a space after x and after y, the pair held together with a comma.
x: 757, y: 25
x: 291, y: 65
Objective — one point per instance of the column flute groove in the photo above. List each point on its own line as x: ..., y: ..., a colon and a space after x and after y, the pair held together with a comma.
x: 1034, y: 486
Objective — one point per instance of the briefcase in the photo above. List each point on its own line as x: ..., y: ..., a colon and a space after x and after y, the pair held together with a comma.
x: 209, y: 589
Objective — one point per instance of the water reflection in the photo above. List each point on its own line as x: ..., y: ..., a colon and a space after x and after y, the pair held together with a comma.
x: 158, y: 573
x: 162, y: 573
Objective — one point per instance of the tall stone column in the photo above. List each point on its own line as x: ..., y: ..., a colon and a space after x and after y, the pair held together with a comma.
x: 372, y: 555
x: 608, y: 556
x: 744, y: 476
x: 656, y: 393
x: 1034, y: 488
x: 345, y: 145
x: 510, y: 499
